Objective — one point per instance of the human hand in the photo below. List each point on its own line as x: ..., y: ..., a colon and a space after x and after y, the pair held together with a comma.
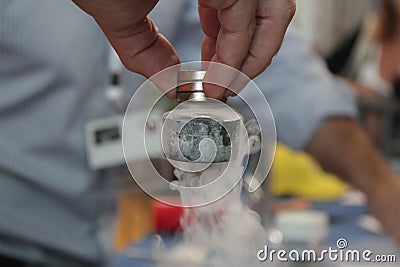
x: 244, y: 34
x: 132, y: 34
x: 384, y: 203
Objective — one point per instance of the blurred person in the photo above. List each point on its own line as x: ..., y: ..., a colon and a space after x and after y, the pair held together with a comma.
x: 55, y: 210
x: 328, y: 23
x: 373, y: 61
x: 370, y: 59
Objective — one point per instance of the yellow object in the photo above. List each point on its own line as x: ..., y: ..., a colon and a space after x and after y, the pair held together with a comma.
x: 134, y: 221
x: 297, y: 174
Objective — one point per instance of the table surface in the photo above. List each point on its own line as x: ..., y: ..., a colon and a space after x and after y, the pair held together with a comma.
x: 343, y: 225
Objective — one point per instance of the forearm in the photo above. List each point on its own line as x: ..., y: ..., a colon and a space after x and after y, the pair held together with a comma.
x: 341, y: 147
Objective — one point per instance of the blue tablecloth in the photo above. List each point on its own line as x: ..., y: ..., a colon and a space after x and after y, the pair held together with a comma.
x: 343, y: 225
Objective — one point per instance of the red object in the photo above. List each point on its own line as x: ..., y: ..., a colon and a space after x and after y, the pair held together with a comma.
x: 166, y: 217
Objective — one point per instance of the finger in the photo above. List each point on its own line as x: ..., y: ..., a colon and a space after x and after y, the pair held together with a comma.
x: 273, y: 18
x: 210, y: 25
x: 208, y: 48
x: 229, y: 28
x: 219, y: 79
x: 142, y: 49
x: 116, y: 15
x: 235, y: 28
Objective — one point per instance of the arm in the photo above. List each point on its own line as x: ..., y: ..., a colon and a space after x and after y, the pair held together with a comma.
x: 313, y: 110
x: 343, y: 148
